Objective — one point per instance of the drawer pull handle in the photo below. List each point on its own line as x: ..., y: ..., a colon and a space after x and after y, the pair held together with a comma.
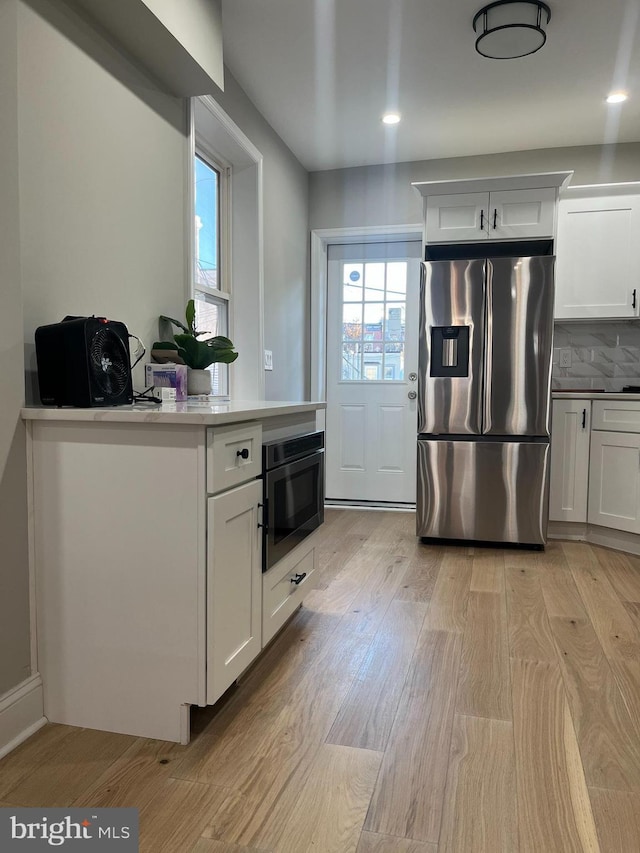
x: 584, y: 418
x: 482, y: 220
x: 244, y: 453
x: 298, y: 578
x: 633, y: 303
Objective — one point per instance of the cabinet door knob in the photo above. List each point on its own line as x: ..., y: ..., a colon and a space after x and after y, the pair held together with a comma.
x: 298, y: 578
x: 244, y: 453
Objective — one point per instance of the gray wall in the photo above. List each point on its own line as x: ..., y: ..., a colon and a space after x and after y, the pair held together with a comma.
x: 102, y: 181
x: 92, y: 180
x: 382, y: 195
x: 14, y: 577
x: 286, y: 249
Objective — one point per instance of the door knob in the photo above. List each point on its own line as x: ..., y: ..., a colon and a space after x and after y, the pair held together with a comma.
x: 412, y: 395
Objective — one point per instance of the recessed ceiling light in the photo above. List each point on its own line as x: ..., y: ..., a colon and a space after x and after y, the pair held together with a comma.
x: 617, y: 97
x: 391, y: 118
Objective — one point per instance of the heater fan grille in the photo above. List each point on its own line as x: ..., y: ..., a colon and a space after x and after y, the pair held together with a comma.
x: 109, y: 362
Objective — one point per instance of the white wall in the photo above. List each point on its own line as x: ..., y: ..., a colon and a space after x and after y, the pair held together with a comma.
x: 14, y: 577
x: 286, y: 249
x: 382, y: 195
x: 102, y: 181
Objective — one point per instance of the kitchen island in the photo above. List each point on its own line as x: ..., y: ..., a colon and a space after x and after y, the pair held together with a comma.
x: 141, y: 611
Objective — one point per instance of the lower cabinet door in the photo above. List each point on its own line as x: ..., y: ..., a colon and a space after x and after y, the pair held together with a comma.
x: 614, y: 480
x: 569, y: 460
x: 234, y: 586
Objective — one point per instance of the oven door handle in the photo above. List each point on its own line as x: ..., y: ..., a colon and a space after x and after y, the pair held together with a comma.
x: 265, y: 515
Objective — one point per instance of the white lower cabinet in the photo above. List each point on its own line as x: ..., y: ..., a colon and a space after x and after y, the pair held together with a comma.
x: 285, y: 584
x: 614, y: 486
x: 234, y: 585
x: 570, y: 431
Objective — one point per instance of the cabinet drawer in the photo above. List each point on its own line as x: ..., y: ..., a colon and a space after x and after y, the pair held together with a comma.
x: 280, y: 596
x: 234, y: 456
x: 616, y: 416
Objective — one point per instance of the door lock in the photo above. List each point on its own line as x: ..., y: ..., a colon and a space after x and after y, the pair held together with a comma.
x: 412, y: 395
x: 413, y: 377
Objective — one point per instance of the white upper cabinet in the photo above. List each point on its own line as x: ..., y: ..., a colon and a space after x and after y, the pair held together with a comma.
x: 597, y: 254
x: 456, y: 217
x: 506, y: 215
x: 517, y: 208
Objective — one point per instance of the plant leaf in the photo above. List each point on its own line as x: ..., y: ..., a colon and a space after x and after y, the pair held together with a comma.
x: 190, y: 315
x: 175, y: 322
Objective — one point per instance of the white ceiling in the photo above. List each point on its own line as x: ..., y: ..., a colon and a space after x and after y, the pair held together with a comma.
x: 322, y: 72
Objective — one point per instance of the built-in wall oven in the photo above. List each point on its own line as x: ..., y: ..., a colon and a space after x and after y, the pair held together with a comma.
x: 293, y: 494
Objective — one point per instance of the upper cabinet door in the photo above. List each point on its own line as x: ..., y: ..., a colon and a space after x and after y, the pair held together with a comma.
x: 522, y: 214
x: 457, y: 218
x: 597, y: 257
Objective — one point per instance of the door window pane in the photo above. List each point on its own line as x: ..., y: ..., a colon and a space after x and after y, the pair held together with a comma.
x: 351, y: 361
x: 374, y: 282
x: 352, y: 321
x: 397, y: 280
x: 373, y: 320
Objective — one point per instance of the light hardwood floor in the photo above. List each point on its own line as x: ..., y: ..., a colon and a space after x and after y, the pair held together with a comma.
x: 426, y: 699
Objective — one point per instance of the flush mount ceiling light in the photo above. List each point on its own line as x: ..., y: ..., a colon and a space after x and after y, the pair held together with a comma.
x: 391, y: 118
x: 616, y: 97
x: 509, y: 29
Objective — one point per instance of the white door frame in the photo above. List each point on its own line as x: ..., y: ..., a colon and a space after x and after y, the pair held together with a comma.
x: 321, y: 238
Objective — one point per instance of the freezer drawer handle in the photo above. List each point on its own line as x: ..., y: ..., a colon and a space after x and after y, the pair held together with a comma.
x: 584, y: 419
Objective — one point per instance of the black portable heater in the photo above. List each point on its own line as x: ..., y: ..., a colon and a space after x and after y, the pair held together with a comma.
x: 84, y: 361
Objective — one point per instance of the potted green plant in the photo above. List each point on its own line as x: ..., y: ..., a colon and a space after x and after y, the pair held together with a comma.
x: 192, y: 348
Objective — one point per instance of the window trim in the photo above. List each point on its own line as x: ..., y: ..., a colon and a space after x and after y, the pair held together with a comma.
x: 245, y: 236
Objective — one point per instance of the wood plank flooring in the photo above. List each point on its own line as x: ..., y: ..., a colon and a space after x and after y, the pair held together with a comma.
x: 427, y: 699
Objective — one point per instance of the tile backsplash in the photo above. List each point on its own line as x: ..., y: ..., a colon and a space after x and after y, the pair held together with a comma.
x: 604, y: 355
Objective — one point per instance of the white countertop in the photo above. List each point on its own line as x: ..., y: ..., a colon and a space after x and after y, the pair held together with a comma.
x: 593, y: 395
x: 175, y: 413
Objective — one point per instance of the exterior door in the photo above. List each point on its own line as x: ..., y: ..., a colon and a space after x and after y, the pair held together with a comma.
x: 372, y: 363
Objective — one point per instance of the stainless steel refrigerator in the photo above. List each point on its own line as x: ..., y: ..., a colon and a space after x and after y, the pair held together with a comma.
x: 486, y: 331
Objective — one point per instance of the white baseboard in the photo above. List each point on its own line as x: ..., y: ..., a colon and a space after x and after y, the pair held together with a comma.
x: 596, y: 535
x: 21, y: 713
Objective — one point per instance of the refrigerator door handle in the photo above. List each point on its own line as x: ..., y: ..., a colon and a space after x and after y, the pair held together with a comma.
x: 488, y: 353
